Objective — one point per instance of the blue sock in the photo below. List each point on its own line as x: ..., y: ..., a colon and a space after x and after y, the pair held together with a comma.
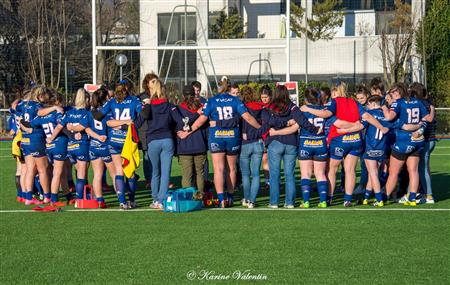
x: 412, y: 196
x: 306, y: 189
x: 347, y: 197
x: 47, y: 195
x: 385, y: 196
x: 37, y: 185
x: 379, y: 196
x: 120, y: 189
x: 29, y: 195
x: 367, y: 194
x: 104, y: 177
x: 132, y: 185
x: 54, y: 198
x: 100, y: 199
x: 220, y: 197
x: 230, y: 197
x: 79, y: 187
x: 322, y: 188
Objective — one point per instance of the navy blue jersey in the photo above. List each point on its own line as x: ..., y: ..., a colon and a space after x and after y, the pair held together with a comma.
x: 375, y: 139
x: 223, y: 107
x: 76, y: 117
x: 314, y: 120
x: 48, y: 123
x: 28, y: 111
x: 408, y: 112
x: 98, y: 127
x: 128, y: 109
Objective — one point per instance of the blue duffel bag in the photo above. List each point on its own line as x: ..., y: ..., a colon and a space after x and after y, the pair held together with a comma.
x: 182, y: 200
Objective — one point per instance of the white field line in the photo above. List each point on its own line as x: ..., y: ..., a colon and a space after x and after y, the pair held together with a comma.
x: 252, y: 210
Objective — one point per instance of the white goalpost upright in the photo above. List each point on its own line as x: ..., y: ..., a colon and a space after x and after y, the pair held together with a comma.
x: 96, y: 48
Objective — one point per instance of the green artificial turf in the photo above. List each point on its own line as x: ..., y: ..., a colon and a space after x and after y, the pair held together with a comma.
x: 330, y: 246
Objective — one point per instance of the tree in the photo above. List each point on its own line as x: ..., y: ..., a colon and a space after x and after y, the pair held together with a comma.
x: 396, y: 43
x: 322, y: 24
x: 229, y: 26
x: 433, y: 43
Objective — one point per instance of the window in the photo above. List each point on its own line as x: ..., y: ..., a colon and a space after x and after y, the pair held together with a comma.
x: 378, y: 5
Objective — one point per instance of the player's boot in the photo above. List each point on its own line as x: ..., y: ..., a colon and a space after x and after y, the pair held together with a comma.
x: 410, y: 203
x: 365, y: 202
x: 322, y: 205
x: 378, y: 204
x: 304, y: 205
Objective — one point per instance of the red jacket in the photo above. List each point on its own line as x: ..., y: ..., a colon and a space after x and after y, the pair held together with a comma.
x: 346, y: 110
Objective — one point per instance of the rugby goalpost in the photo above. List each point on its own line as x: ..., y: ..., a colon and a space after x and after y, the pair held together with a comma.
x: 286, y: 46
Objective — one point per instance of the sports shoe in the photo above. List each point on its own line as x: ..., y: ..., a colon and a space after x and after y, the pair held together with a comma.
x: 347, y: 204
x: 102, y: 205
x: 365, y: 202
x: 410, y: 203
x: 322, y: 204
x: 288, y: 206
x: 47, y: 200
x: 378, y: 204
x: 429, y: 199
x: 58, y: 204
x: 403, y: 199
x: 273, y: 206
x: 304, y: 205
x: 250, y: 205
x: 20, y: 200
x: 33, y: 201
x: 244, y: 202
x: 123, y: 206
x: 132, y: 205
x: 154, y: 205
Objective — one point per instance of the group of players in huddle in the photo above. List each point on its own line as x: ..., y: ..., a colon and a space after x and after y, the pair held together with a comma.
x: 241, y: 128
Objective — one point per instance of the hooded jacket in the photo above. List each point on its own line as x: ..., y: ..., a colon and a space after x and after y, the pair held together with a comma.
x: 195, y: 143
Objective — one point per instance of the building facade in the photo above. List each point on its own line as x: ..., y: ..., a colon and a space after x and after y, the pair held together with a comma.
x: 352, y: 54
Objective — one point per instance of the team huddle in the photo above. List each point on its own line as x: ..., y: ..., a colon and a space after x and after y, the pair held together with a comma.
x: 243, y: 129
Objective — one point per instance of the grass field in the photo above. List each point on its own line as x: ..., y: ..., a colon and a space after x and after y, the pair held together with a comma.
x: 361, y: 245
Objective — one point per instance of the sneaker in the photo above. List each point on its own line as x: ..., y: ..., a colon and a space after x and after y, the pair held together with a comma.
x: 58, y: 204
x: 47, y: 200
x: 322, y: 205
x: 429, y: 199
x: 102, y: 205
x: 20, y: 200
x: 244, y: 202
x: 304, y: 205
x: 421, y: 200
x: 403, y: 199
x: 378, y: 204
x: 250, y: 205
x: 347, y: 204
x: 123, y: 206
x: 410, y: 203
x: 132, y: 205
x: 33, y: 201
x: 273, y: 206
x: 288, y: 206
x: 365, y: 202
x: 154, y: 205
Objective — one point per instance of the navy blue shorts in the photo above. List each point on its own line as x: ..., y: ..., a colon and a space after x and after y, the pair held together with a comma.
x: 375, y: 154
x: 228, y: 146
x: 344, y: 145
x: 313, y: 149
x: 102, y: 152
x: 57, y: 151
x: 33, y: 148
x: 78, y: 151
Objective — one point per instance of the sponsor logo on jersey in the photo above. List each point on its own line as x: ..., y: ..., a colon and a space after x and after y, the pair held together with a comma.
x: 73, y: 146
x: 224, y: 134
x: 351, y: 138
x: 419, y: 139
x: 50, y: 145
x: 25, y: 140
x: 375, y: 153
x: 224, y: 100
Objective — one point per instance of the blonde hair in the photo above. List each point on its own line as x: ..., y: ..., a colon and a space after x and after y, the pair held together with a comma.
x: 80, y: 99
x: 36, y: 92
x: 341, y: 90
x: 156, y: 89
x: 223, y: 85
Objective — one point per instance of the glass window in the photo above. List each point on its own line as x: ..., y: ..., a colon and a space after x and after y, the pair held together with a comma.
x: 283, y: 5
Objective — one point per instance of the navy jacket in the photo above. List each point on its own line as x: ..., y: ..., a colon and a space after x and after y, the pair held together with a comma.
x: 160, y: 120
x: 276, y: 118
x: 195, y: 143
x: 249, y: 133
